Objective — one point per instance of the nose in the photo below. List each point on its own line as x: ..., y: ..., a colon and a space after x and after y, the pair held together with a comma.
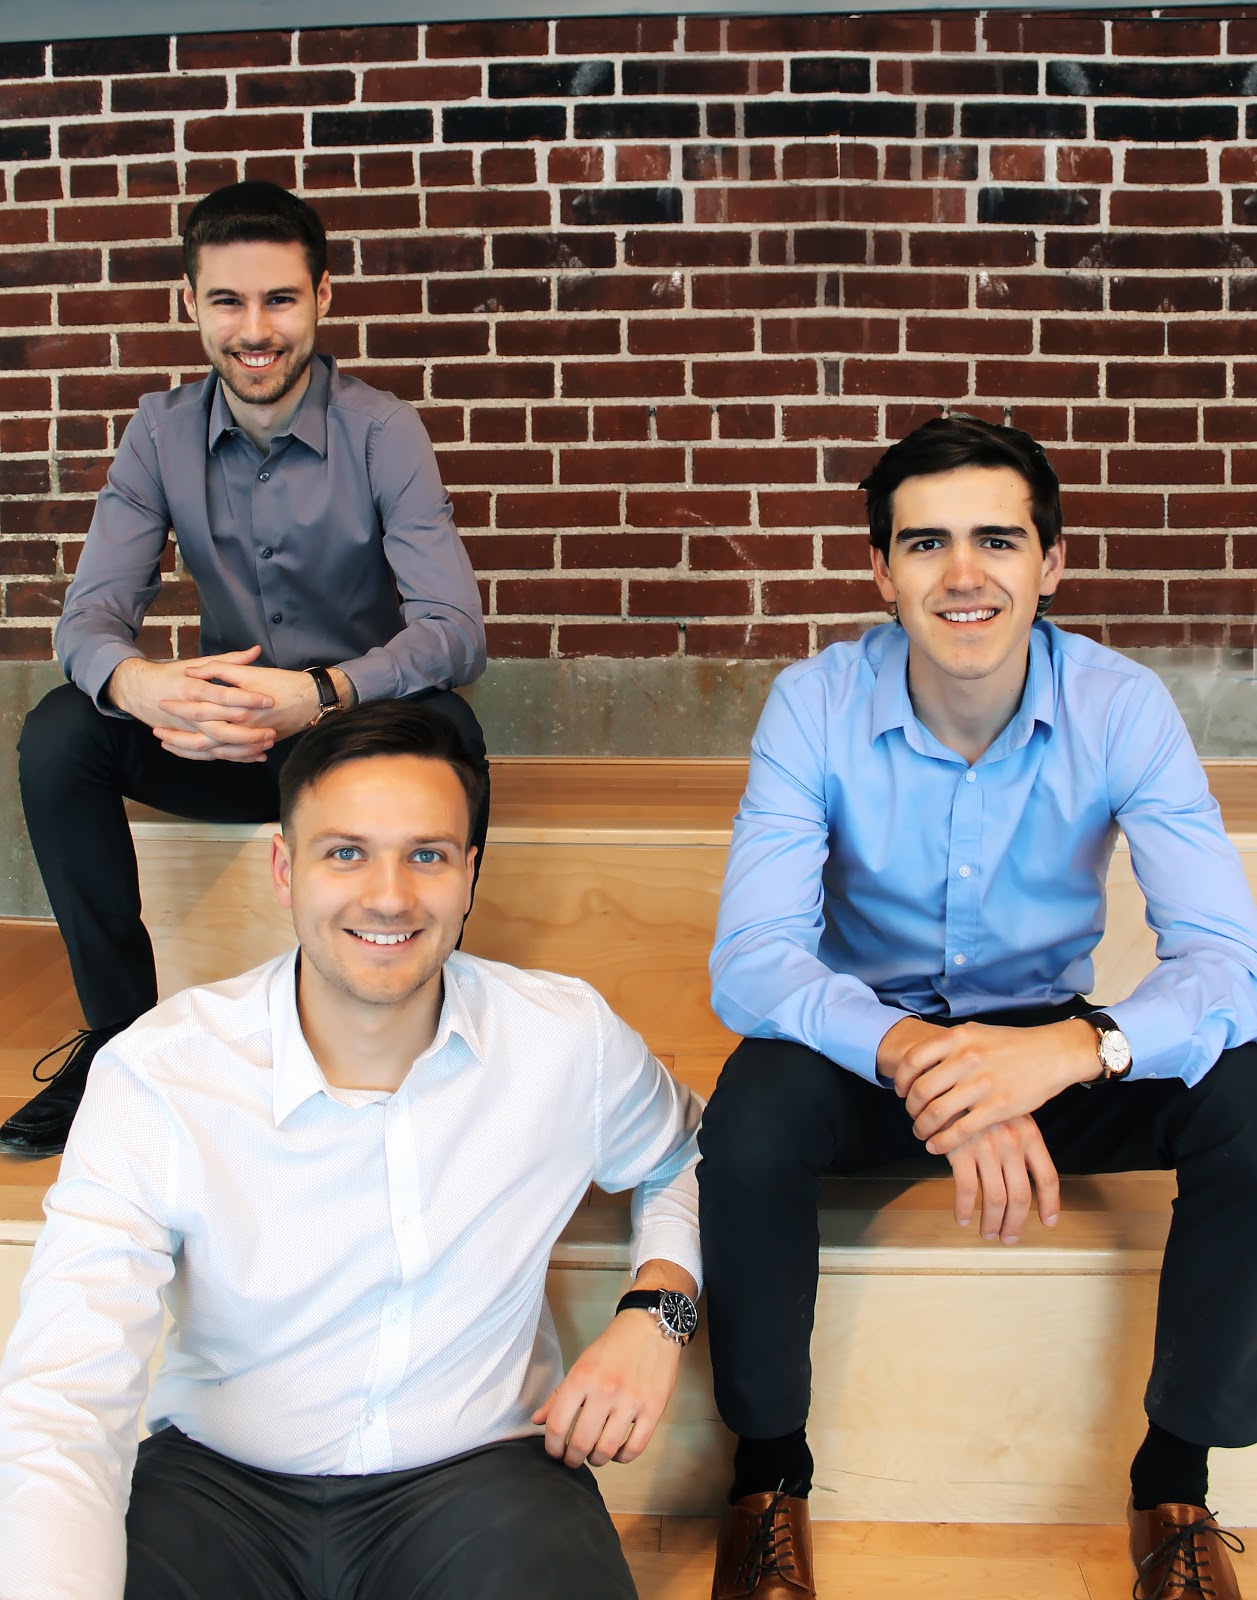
x: 964, y: 568
x: 255, y: 325
x: 386, y: 889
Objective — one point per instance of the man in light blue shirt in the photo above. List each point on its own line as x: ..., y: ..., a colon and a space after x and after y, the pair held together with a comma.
x: 914, y: 891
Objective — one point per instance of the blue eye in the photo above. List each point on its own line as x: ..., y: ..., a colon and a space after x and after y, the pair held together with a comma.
x: 427, y: 858
x: 346, y: 852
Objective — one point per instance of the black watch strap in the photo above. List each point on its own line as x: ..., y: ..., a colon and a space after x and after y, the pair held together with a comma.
x: 329, y: 700
x: 676, y: 1313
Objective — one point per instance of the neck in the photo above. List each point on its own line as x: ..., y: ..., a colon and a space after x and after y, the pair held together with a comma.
x: 966, y: 715
x: 262, y: 423
x: 358, y: 1045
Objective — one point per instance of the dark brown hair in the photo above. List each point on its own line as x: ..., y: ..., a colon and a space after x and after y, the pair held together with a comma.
x: 251, y: 212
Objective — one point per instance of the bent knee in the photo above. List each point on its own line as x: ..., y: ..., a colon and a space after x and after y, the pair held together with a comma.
x: 776, y: 1104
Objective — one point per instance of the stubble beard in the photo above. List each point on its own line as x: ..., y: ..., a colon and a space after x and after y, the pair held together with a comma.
x: 289, y: 377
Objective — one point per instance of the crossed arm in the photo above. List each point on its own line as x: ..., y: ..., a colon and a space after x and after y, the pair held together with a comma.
x: 971, y: 1091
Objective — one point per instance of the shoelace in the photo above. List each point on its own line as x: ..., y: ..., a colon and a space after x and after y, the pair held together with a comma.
x: 1180, y: 1546
x: 768, y: 1549
x: 75, y: 1047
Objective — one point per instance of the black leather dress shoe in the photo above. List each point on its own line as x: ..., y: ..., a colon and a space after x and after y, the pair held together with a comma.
x: 42, y: 1126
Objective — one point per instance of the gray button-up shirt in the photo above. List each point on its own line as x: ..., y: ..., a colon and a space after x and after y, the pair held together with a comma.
x: 338, y: 548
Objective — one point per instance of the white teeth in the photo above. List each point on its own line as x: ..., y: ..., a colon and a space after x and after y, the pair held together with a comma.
x: 381, y: 938
x: 262, y: 360
x: 968, y: 616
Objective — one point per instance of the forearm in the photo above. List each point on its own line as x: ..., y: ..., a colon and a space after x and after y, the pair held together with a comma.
x: 430, y: 652
x: 658, y: 1273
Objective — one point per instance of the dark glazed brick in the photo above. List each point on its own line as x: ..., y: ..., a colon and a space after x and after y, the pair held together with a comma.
x: 389, y: 257
x: 85, y: 140
x: 1024, y: 119
x: 560, y: 80
x: 974, y: 77
x: 1146, y: 80
x: 371, y: 127
x: 721, y: 122
x: 1145, y: 252
x: 467, y: 40
x: 98, y: 58
x: 206, y: 50
x: 502, y: 124
x: 169, y: 93
x: 776, y: 119
x: 940, y: 121
x: 146, y: 264
x: 691, y: 77
x: 265, y: 89
x: 687, y: 249
x: 25, y: 142
x: 1061, y: 207
x: 1167, y: 124
x: 832, y: 75
x: 536, y: 252
x: 21, y: 61
x: 636, y: 120
x: 324, y: 46
x: 613, y: 207
x: 831, y: 247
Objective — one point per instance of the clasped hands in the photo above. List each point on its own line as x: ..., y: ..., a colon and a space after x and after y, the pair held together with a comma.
x: 971, y: 1091
x: 215, y: 708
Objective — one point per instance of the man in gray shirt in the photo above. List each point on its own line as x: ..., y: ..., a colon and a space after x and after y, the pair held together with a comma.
x: 309, y: 511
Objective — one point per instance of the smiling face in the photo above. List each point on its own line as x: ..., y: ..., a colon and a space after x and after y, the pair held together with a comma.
x: 377, y: 873
x: 257, y: 312
x: 966, y: 570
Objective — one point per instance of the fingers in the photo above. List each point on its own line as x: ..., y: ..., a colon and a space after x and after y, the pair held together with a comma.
x: 1047, y: 1183
x: 227, y: 685
x: 964, y: 1173
x: 203, y: 710
x: 919, y: 1059
x: 237, y: 657
x: 216, y: 742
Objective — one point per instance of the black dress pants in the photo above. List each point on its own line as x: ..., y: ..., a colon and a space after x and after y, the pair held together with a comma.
x: 782, y: 1117
x: 76, y: 767
x: 503, y: 1523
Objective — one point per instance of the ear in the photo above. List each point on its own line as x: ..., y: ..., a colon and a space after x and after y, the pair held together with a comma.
x: 471, y: 857
x: 1053, y: 567
x: 881, y: 575
x: 323, y: 296
x: 189, y: 299
x: 281, y: 872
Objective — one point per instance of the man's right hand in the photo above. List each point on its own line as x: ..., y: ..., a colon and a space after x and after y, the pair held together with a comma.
x: 1010, y: 1164
x: 214, y: 723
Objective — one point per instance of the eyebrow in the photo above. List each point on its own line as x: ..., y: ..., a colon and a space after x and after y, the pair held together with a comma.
x: 284, y: 288
x: 328, y: 834
x: 988, y: 529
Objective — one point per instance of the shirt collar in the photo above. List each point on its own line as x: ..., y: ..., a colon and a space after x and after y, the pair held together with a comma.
x: 296, y: 1076
x: 892, y: 707
x: 309, y: 422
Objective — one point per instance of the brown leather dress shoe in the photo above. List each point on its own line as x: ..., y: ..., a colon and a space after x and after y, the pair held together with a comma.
x: 764, y: 1549
x: 1180, y: 1552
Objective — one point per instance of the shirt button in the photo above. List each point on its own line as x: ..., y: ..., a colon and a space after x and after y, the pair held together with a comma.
x: 369, y: 1418
x: 267, y: 553
x: 277, y: 616
x: 395, y: 1315
x: 971, y: 777
x: 959, y: 960
x: 966, y: 871
x: 263, y: 477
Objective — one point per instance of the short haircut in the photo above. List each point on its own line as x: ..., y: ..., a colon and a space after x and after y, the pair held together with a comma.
x: 379, y: 728
x: 944, y: 443
x: 252, y: 212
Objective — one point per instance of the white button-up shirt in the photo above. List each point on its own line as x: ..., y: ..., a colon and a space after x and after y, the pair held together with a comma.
x: 356, y: 1281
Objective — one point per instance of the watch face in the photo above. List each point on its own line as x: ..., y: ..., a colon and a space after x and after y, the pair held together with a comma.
x: 678, y: 1313
x: 1114, y: 1052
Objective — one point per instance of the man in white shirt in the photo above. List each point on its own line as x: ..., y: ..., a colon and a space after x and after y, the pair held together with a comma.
x: 343, y: 1174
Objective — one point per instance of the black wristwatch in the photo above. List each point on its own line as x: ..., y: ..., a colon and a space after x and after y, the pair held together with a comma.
x: 329, y: 700
x: 676, y: 1313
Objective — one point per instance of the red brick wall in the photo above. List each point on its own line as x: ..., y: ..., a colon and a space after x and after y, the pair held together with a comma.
x: 662, y: 288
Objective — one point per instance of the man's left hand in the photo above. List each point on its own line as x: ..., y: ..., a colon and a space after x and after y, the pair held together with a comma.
x: 295, y: 698
x: 607, y: 1407
x: 960, y: 1080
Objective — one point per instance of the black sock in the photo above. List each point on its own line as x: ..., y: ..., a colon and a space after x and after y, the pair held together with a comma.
x: 1169, y: 1471
x: 761, y: 1466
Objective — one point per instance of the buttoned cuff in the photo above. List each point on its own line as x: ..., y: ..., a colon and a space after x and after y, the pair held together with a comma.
x: 1154, y: 1031
x: 99, y: 668
x: 859, y: 1027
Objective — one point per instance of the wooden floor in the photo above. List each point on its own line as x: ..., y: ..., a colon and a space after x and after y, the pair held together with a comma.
x: 671, y: 1557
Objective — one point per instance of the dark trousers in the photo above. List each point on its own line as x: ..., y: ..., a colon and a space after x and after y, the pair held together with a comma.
x: 76, y: 767
x: 504, y: 1523
x: 782, y: 1117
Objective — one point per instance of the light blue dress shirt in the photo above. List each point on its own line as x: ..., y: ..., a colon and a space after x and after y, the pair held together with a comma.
x: 873, y: 872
